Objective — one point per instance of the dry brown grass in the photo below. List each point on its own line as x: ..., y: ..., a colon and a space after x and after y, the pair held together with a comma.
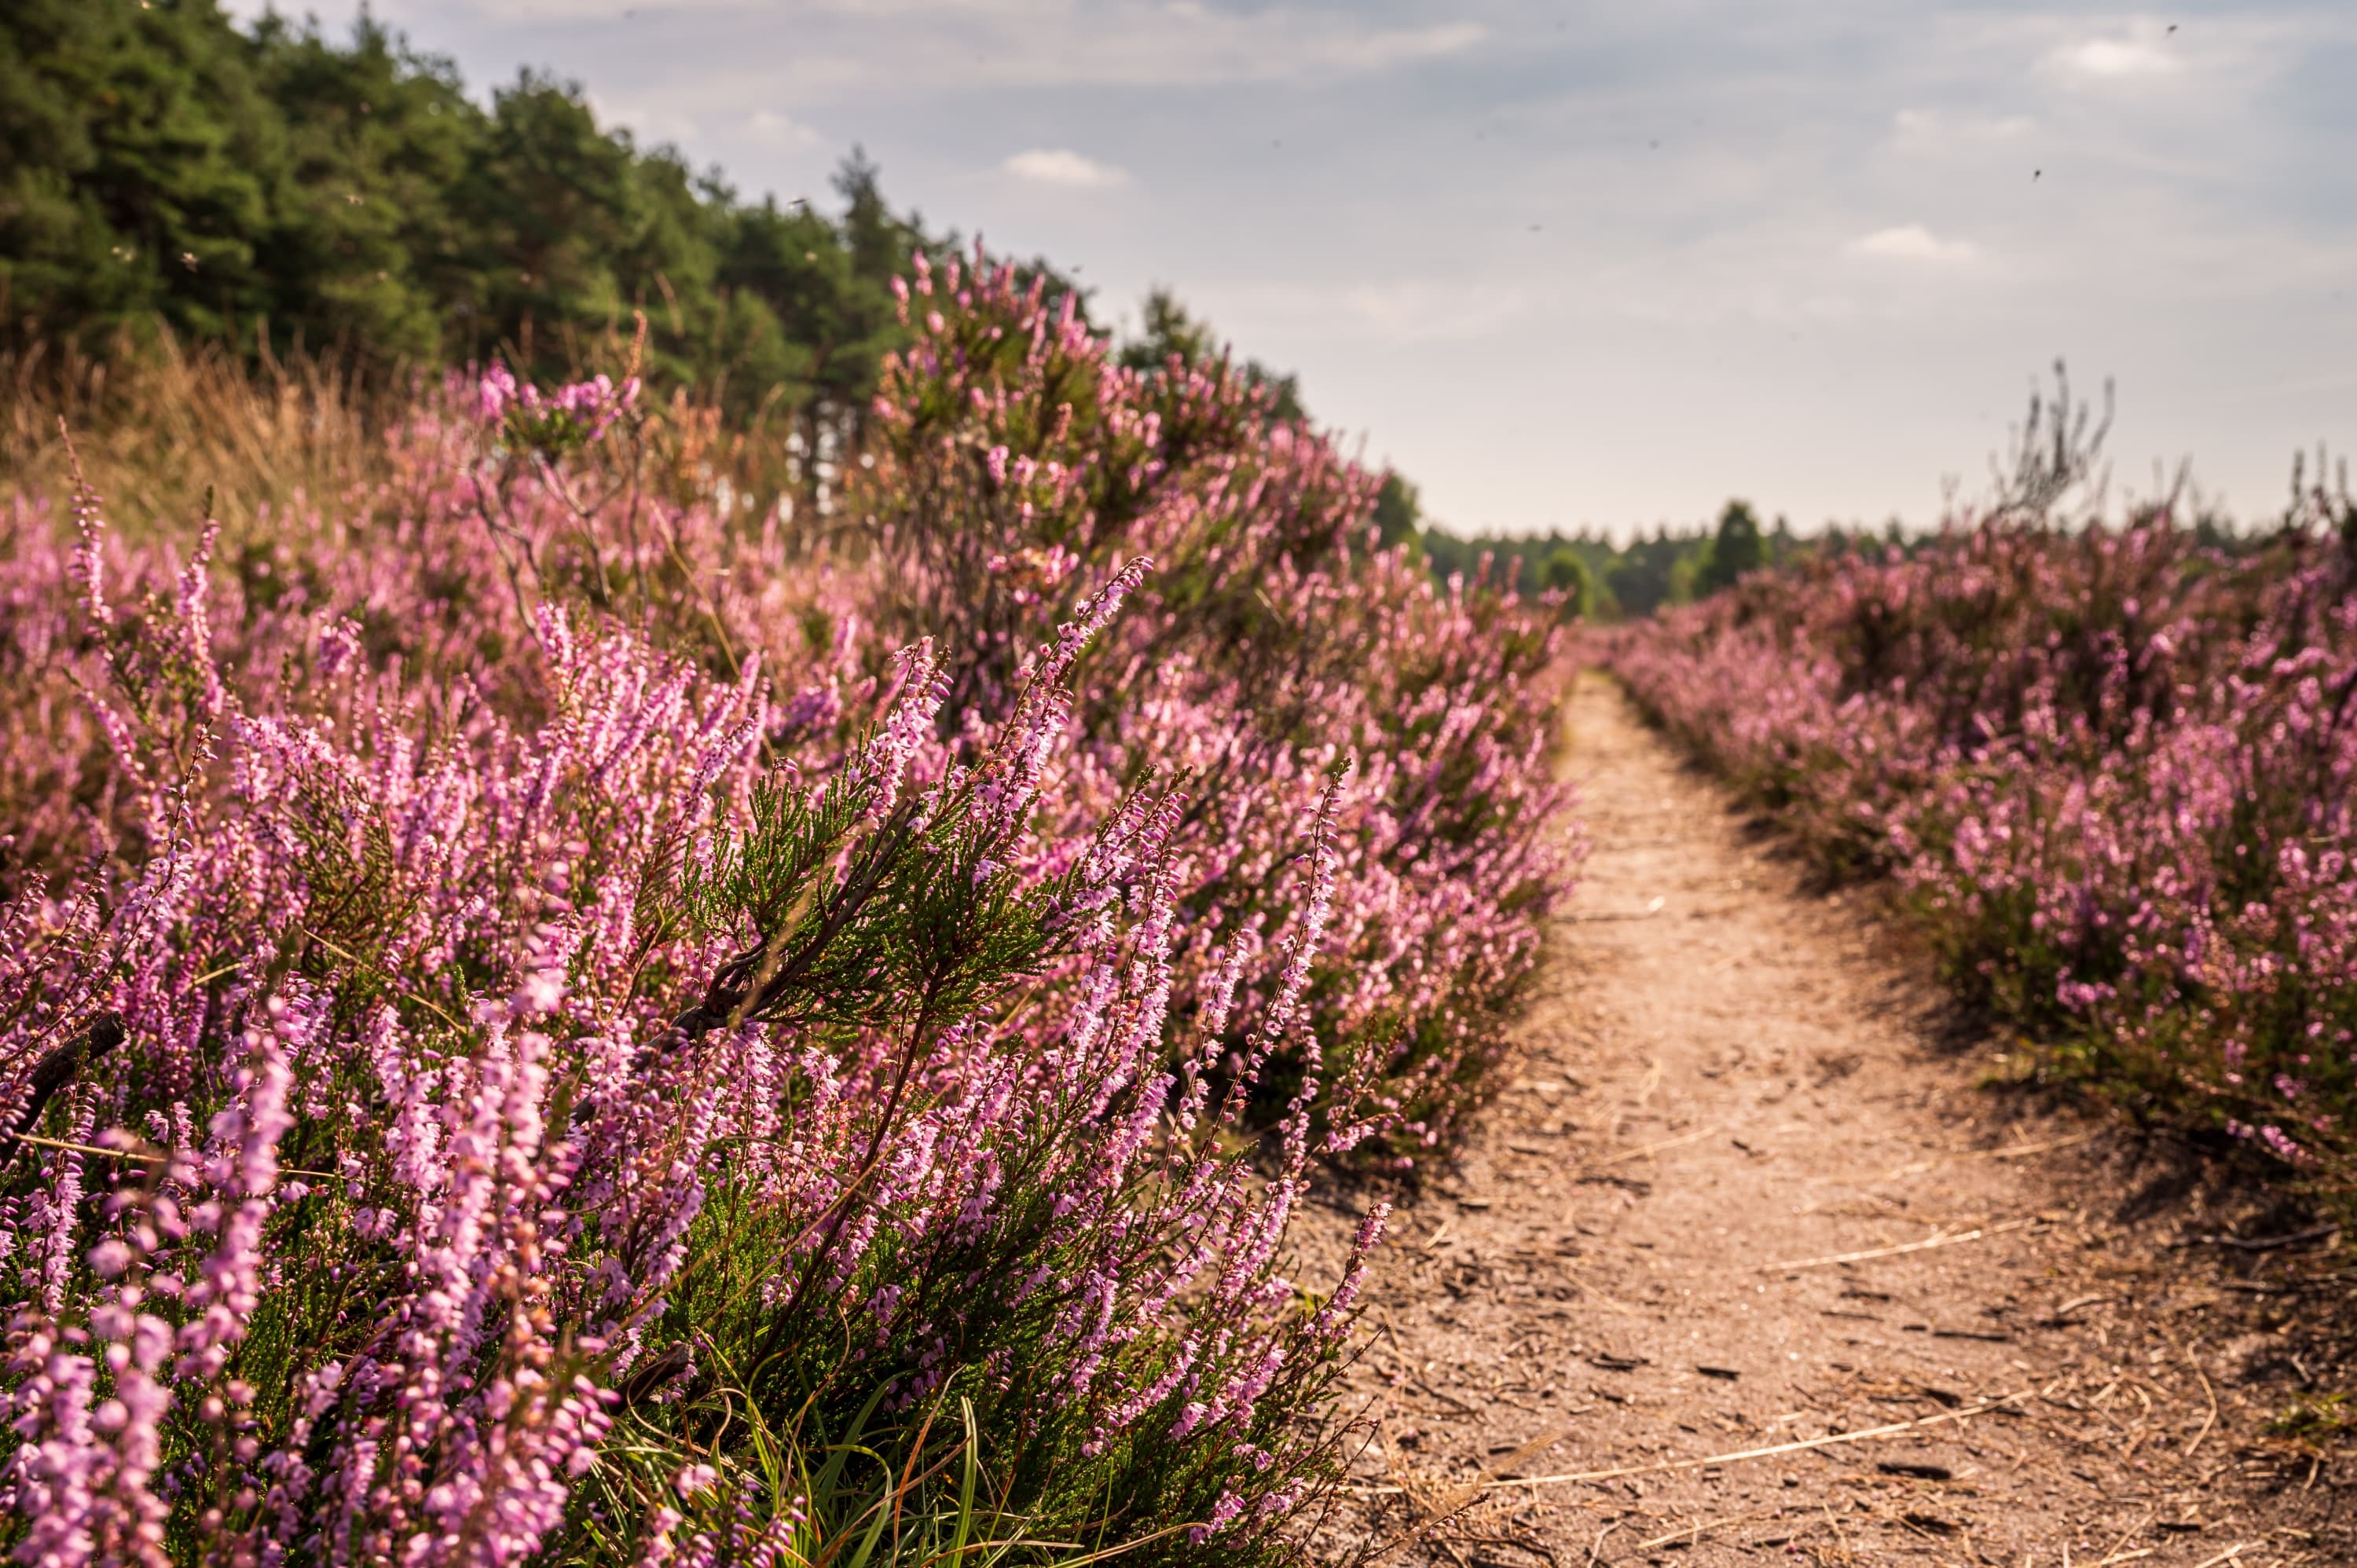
x: 157, y: 424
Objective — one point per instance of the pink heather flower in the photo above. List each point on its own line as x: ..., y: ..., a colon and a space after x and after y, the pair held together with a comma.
x: 540, y: 992
x: 243, y: 1170
x: 495, y: 393
x: 595, y: 405
x: 924, y: 686
x: 1224, y: 1513
x: 2281, y: 1145
x: 659, y: 1549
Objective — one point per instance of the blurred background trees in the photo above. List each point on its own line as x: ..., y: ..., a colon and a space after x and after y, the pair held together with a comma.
x: 1669, y: 566
x: 273, y: 190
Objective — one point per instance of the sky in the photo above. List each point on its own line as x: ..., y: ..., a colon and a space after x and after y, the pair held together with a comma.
x: 1600, y: 265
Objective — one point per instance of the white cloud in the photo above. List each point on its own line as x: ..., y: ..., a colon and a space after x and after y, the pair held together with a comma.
x: 2146, y: 51
x: 782, y: 130
x: 647, y: 123
x: 1911, y: 243
x: 1061, y: 165
x: 1378, y: 51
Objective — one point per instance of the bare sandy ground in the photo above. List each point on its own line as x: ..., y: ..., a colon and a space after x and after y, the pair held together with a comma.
x: 1754, y: 1188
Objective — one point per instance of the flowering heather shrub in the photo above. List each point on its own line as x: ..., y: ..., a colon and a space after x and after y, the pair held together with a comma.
x: 543, y: 1014
x: 433, y: 577
x: 1015, y: 461
x: 1274, y: 641
x: 2112, y: 770
x: 454, y: 1140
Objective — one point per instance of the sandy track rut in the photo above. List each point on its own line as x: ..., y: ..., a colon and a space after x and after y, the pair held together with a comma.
x: 1729, y: 1083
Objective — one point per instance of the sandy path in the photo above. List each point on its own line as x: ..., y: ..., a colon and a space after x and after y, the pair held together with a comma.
x: 1731, y: 1083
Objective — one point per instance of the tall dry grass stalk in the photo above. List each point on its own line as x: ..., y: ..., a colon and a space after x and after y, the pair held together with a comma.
x: 156, y: 423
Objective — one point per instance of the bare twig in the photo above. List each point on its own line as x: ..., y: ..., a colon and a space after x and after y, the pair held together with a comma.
x: 2209, y: 1393
x: 1531, y: 1450
x: 1828, y: 1441
x: 1973, y: 1235
x: 149, y: 1155
x: 2226, y: 1556
x: 1840, y: 1541
x: 1638, y: 1154
x: 2060, y: 1315
x: 2010, y: 1151
x: 88, y: 1149
x: 1694, y: 1531
x: 2112, y: 1552
x: 2260, y: 1243
x: 54, y: 1071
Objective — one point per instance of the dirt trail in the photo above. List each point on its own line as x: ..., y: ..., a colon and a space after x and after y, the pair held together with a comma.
x: 1731, y: 1085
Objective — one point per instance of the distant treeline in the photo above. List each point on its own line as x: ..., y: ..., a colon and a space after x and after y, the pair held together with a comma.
x: 1678, y: 566
x: 1604, y: 580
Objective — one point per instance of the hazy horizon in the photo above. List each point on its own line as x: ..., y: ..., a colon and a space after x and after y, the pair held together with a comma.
x: 1595, y: 268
